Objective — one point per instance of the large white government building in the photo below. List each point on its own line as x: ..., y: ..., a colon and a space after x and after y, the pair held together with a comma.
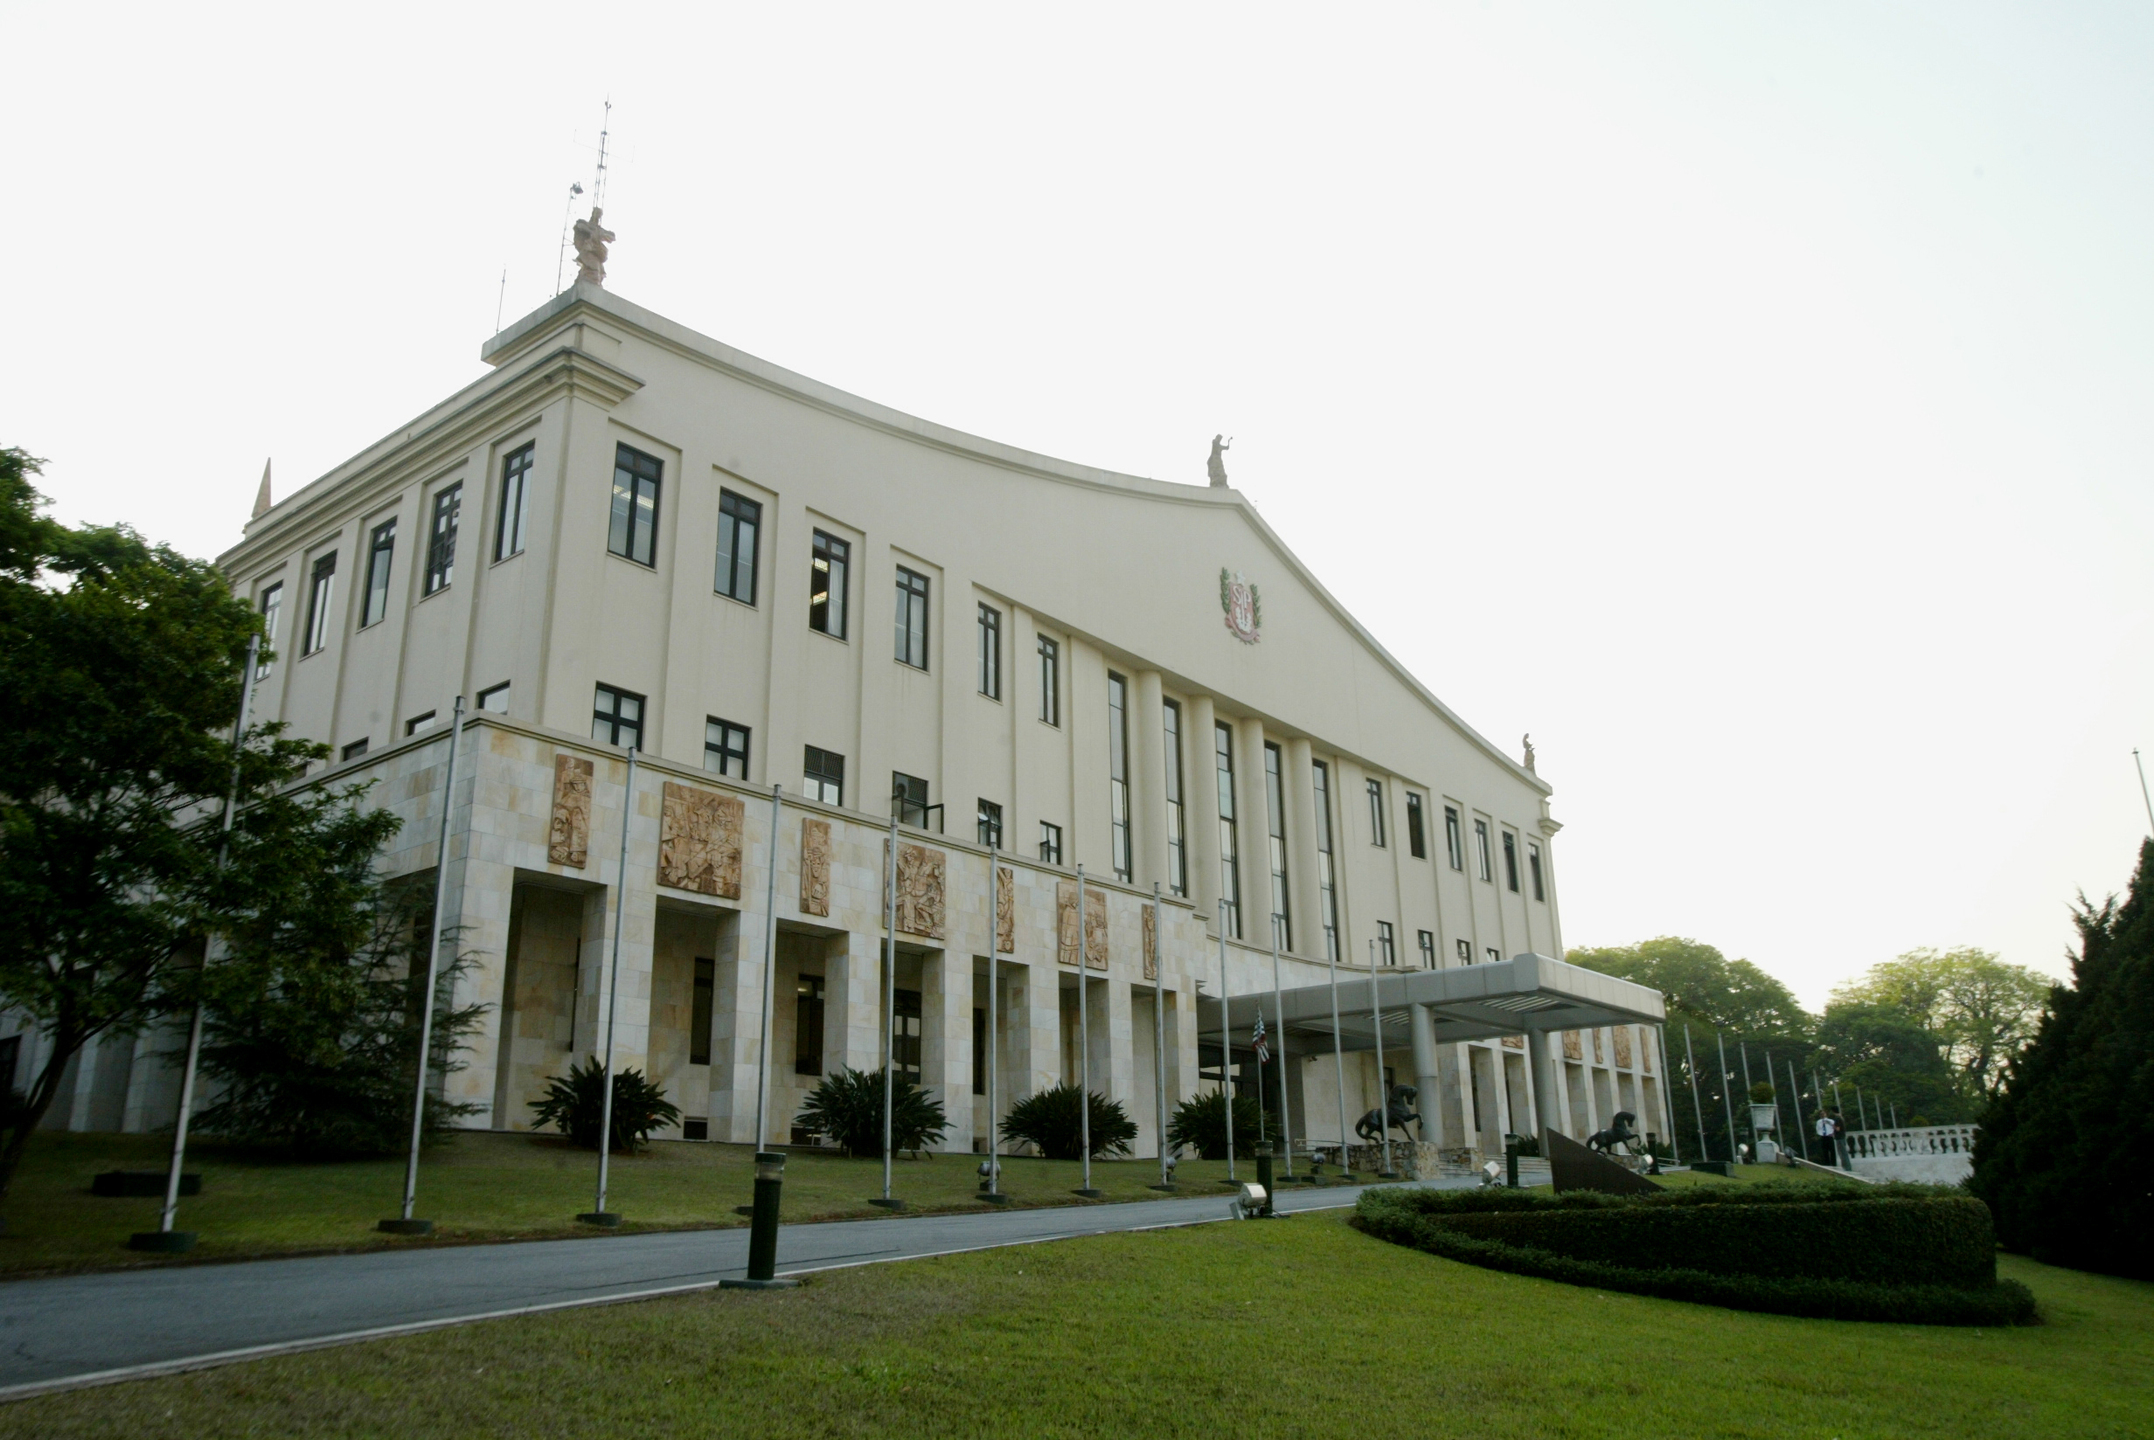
x: 629, y: 535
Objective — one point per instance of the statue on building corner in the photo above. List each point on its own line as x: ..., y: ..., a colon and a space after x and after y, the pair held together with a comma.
x: 591, y: 241
x: 1216, y: 467
x: 1528, y: 743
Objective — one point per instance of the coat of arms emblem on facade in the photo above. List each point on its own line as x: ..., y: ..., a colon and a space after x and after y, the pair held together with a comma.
x: 1245, y: 609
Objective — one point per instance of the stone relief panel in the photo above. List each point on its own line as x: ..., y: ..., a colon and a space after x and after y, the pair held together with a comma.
x: 699, y: 841
x: 1095, y: 925
x: 815, y: 867
x: 1151, y: 942
x: 1514, y: 1042
x: 1596, y: 1047
x: 1572, y: 1049
x: 922, y: 876
x: 1005, y: 910
x: 568, y: 840
x: 1645, y: 1053
x: 1622, y: 1046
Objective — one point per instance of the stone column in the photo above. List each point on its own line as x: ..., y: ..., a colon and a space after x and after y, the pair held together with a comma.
x: 1253, y: 821
x: 853, y: 1003
x: 1113, y: 1039
x: 738, y: 976
x: 1040, y: 1010
x: 1301, y: 834
x: 1428, y: 1074
x: 946, y: 1041
x: 1542, y: 1071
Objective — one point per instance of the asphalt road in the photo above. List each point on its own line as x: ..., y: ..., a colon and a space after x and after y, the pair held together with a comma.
x: 76, y: 1329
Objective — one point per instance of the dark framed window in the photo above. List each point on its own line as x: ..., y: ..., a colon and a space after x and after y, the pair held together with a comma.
x: 1533, y: 868
x: 1428, y: 951
x: 1386, y: 950
x: 725, y: 748
x: 1050, y: 843
x: 979, y: 1050
x: 1454, y: 843
x: 1376, y: 812
x: 991, y: 824
x: 1465, y: 953
x: 515, y: 502
x: 1275, y: 827
x: 632, y: 527
x: 911, y: 618
x: 1495, y: 956
x: 1177, y: 835
x: 617, y: 718
x: 319, y: 594
x: 990, y: 652
x: 905, y: 1034
x: 824, y: 773
x: 441, y: 538
x: 699, y: 1012
x: 740, y: 521
x: 1118, y: 775
x: 808, y: 1025
x: 1327, y: 879
x: 495, y: 698
x: 908, y: 800
x: 354, y: 750
x: 272, y: 611
x: 1480, y: 841
x: 1417, y: 836
x: 420, y: 722
x: 1510, y: 862
x: 380, y: 552
x: 1050, y: 681
x: 827, y: 578
x: 1230, y: 873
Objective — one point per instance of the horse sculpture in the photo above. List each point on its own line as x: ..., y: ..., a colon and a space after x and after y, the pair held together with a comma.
x: 1619, y: 1132
x: 1396, y: 1114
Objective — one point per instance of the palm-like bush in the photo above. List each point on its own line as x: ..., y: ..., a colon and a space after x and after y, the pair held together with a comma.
x: 574, y: 1103
x: 1052, y: 1122
x: 1200, y: 1124
x: 847, y: 1109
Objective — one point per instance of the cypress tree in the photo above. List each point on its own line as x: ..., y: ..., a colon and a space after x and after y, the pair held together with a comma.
x: 2065, y: 1157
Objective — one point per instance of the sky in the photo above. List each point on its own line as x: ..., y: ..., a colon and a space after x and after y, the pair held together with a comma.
x: 1748, y: 401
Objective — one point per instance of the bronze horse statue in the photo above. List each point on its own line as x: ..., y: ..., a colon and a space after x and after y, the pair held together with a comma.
x: 1619, y: 1132
x: 1397, y: 1113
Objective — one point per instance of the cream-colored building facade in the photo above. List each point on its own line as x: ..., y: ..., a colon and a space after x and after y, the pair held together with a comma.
x: 629, y: 534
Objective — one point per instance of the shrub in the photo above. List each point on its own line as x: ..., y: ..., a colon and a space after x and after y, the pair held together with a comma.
x: 1913, y: 1254
x: 574, y: 1106
x: 1051, y: 1122
x: 1200, y: 1124
x: 847, y: 1108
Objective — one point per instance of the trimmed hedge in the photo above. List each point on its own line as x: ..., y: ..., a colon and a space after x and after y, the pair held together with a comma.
x: 1909, y: 1254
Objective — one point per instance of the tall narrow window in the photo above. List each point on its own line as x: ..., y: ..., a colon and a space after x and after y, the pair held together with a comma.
x: 808, y: 1025
x: 908, y: 799
x: 1428, y: 951
x: 823, y: 772
x: 1118, y: 775
x: 1417, y: 830
x: 912, y: 618
x: 1050, y: 681
x: 1454, y: 843
x: 826, y: 584
x: 1493, y: 955
x: 1230, y: 883
x: 740, y: 521
x: 1050, y: 843
x: 1177, y: 843
x: 990, y: 652
x: 617, y: 718
x: 1327, y: 880
x: 272, y: 611
x: 1510, y: 862
x: 1533, y: 868
x: 1465, y: 952
x: 1386, y: 948
x: 441, y: 538
x: 725, y: 748
x: 1480, y: 843
x: 632, y: 530
x: 905, y: 1034
x: 318, y: 597
x: 699, y: 1013
x: 1275, y: 827
x: 979, y: 1050
x: 1376, y: 812
x: 495, y: 698
x: 990, y: 824
x: 515, y: 503
x: 380, y: 550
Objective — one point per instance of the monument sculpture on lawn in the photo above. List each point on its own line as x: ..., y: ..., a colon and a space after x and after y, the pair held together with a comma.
x: 1621, y: 1131
x: 1396, y: 1114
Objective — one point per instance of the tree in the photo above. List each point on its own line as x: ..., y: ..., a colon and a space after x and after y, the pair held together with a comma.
x: 1200, y: 1124
x: 1053, y: 1123
x: 120, y: 671
x: 1705, y: 988
x: 848, y: 1108
x: 2065, y: 1156
x: 1982, y: 1010
x: 1893, y: 1060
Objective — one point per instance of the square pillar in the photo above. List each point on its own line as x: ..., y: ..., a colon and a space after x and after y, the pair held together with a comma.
x: 946, y: 1041
x: 852, y: 1003
x: 739, y: 975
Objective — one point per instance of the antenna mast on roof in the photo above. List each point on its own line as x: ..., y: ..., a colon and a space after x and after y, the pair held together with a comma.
x: 598, y: 181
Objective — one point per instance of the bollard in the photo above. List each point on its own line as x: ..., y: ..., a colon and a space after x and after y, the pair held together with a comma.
x: 1263, y: 1160
x: 1510, y: 1161
x: 763, y: 1230
x: 1652, y: 1153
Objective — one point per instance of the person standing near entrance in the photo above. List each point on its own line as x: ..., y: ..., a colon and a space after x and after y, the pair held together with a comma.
x: 1826, y: 1133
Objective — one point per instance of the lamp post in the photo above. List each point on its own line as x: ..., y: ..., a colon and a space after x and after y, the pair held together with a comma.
x: 1084, y: 1050
x: 599, y: 1214
x: 1383, y: 1088
x: 763, y: 1229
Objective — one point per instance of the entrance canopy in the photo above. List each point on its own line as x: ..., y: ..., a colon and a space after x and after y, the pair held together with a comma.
x: 1528, y: 993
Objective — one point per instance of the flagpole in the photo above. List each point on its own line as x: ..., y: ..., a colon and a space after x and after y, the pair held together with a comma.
x: 1226, y: 1042
x: 1278, y: 1010
x: 1727, y: 1104
x: 1743, y: 1049
x: 770, y: 972
x: 994, y: 1004
x: 1383, y: 1088
x: 599, y: 1214
x: 407, y: 1225
x: 1159, y: 1028
x: 1338, y: 1060
x: 1690, y: 1063
x: 1084, y: 1047
x: 889, y: 995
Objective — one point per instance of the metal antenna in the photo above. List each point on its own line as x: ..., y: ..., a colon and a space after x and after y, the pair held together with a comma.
x: 501, y: 299
x: 568, y: 211
x: 598, y: 181
x: 2143, y: 789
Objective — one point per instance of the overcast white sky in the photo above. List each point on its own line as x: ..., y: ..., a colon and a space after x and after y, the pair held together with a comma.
x: 1750, y: 401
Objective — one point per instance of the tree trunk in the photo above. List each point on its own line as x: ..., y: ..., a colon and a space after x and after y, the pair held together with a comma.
x: 21, y: 1124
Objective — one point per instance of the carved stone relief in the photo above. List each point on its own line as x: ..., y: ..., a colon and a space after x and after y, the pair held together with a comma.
x: 568, y: 838
x: 1572, y: 1049
x: 1622, y: 1046
x: 921, y: 884
x: 1596, y: 1047
x: 1005, y: 910
x: 1645, y: 1053
x: 1151, y: 942
x: 814, y: 867
x: 1095, y: 925
x: 699, y: 841
x: 1514, y: 1042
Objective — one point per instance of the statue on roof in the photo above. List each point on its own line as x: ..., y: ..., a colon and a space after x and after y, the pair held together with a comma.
x: 1216, y: 467
x: 591, y: 239
x: 1528, y: 742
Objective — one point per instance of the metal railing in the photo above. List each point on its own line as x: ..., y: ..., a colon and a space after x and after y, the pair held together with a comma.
x: 1912, y: 1140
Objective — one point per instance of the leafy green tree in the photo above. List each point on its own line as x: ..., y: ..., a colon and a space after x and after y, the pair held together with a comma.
x: 1200, y: 1124
x: 2065, y: 1156
x: 1895, y: 1062
x: 121, y: 664
x: 1704, y: 987
x: 847, y: 1108
x: 1052, y: 1122
x: 1982, y: 1010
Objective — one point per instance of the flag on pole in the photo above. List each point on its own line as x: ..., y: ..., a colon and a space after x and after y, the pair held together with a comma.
x: 1256, y: 1038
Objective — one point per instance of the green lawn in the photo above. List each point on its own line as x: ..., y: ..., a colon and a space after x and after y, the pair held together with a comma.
x: 1301, y: 1327
x: 485, y: 1187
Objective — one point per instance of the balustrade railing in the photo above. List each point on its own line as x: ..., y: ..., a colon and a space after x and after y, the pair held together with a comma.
x: 1913, y: 1140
